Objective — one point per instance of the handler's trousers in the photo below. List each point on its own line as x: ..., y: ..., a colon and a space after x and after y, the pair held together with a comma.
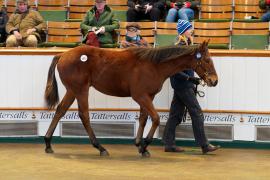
x: 29, y: 41
x: 181, y: 99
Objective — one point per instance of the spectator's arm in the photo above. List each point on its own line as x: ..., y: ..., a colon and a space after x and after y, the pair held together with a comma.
x: 114, y: 25
x: 41, y: 25
x: 85, y: 24
x: 10, y: 27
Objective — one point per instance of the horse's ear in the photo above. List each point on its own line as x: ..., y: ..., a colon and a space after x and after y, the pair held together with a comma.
x: 205, y: 43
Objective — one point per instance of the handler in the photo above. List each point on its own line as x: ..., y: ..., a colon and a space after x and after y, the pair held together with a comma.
x: 185, y: 97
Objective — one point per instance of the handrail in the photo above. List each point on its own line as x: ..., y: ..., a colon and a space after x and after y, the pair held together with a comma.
x: 57, y: 50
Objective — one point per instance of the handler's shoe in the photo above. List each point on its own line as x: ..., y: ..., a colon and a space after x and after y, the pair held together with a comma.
x: 209, y: 148
x: 173, y: 149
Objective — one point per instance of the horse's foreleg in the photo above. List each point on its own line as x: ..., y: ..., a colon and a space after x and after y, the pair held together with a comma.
x: 84, y: 115
x: 142, y: 122
x: 60, y: 112
x: 145, y: 103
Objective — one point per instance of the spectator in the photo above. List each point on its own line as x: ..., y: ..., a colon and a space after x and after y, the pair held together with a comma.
x: 181, y: 9
x: 24, y: 26
x: 133, y: 38
x: 3, y: 22
x: 99, y: 23
x: 265, y: 5
x: 184, y: 97
x: 145, y: 9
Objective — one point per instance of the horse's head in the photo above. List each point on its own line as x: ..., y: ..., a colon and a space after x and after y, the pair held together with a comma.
x: 204, y: 66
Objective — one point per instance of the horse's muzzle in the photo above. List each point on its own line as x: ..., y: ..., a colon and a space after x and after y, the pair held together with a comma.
x: 214, y: 83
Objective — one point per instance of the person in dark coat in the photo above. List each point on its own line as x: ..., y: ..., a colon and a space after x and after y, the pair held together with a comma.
x: 3, y: 22
x: 145, y: 9
x: 185, y: 97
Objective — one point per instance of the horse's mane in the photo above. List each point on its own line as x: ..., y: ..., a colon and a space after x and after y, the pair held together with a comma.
x: 157, y: 55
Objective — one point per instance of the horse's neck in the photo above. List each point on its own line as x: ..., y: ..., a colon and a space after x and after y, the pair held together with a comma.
x: 174, y: 66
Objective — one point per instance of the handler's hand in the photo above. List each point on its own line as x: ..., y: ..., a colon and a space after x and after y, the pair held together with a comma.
x: 194, y: 80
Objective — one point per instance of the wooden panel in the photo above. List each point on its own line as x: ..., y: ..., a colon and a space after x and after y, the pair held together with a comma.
x: 210, y: 33
x: 216, y: 2
x: 116, y: 2
x: 248, y: 9
x: 166, y: 25
x: 119, y: 8
x: 167, y: 31
x: 213, y: 40
x: 212, y: 25
x: 216, y: 15
x: 144, y: 25
x: 53, y: 24
x: 52, y: 2
x: 76, y: 15
x: 247, y: 2
x: 216, y: 8
x: 81, y: 9
x: 81, y: 2
x: 64, y: 31
x: 250, y: 32
x: 239, y: 15
x: 52, y: 5
x: 64, y: 39
x: 51, y: 8
x: 245, y: 25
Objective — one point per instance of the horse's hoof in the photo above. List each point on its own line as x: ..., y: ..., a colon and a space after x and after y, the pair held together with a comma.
x: 104, y: 153
x: 49, y: 150
x: 146, y: 154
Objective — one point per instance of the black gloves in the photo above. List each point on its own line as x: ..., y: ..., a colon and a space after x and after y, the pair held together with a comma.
x: 194, y: 80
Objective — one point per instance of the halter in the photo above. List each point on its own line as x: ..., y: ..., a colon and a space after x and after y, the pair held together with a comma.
x: 198, y: 57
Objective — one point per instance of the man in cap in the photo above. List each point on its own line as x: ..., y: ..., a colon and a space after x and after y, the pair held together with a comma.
x: 100, y: 21
x: 24, y: 26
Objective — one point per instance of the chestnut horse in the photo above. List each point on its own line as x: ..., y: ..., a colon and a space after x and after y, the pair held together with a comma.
x: 134, y: 72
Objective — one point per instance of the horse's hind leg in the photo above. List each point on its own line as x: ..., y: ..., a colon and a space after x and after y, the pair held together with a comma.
x: 60, y: 112
x: 142, y: 122
x: 84, y: 115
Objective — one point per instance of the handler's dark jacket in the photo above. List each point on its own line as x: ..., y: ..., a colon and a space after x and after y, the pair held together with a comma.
x: 179, y: 80
x: 106, y: 19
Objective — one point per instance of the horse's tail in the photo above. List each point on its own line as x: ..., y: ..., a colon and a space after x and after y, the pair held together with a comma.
x: 51, y: 92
